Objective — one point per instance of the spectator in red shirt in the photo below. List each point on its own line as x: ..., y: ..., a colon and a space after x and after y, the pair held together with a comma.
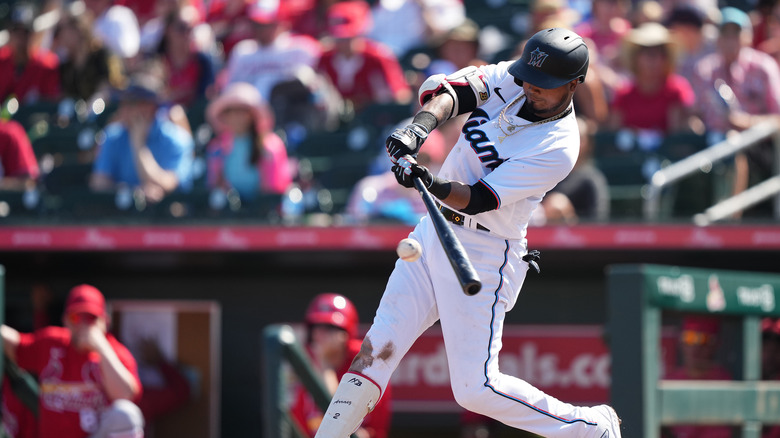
x: 362, y: 70
x: 18, y: 165
x: 87, y: 379
x: 332, y: 342
x: 699, y: 341
x: 189, y: 72
x: 655, y: 99
x: 27, y: 73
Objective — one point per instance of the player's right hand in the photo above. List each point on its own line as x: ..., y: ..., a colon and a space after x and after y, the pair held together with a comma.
x: 405, y: 141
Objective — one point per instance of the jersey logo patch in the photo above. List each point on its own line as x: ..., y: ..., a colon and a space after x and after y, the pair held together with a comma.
x: 537, y: 58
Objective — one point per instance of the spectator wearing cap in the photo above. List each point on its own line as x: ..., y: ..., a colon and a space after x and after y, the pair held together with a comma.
x: 88, y: 381
x: 144, y: 149
x: 362, y: 70
x: 738, y: 87
x: 246, y: 155
x: 699, y: 341
x: 694, y: 35
x: 27, y: 73
x: 274, y: 54
x: 655, y: 98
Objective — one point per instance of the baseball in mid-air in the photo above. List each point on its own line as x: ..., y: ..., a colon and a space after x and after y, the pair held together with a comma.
x: 409, y: 250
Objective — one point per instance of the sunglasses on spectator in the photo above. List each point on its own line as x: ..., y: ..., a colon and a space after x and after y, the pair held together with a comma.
x: 81, y: 318
x: 690, y: 337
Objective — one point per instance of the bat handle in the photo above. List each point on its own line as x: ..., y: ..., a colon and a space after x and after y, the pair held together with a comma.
x: 464, y: 270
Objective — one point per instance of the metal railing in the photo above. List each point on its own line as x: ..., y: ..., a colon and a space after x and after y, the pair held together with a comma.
x: 281, y: 346
x: 703, y: 161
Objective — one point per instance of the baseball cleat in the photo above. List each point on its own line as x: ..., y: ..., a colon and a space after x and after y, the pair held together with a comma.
x: 608, y: 417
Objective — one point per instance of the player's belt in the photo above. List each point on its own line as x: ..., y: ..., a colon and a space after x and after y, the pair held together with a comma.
x: 459, y: 219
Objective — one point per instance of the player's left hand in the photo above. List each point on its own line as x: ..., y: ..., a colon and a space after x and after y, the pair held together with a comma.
x: 406, y: 168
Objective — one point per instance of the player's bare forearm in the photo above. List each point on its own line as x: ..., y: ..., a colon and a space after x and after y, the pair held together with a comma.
x: 460, y: 195
x: 440, y: 106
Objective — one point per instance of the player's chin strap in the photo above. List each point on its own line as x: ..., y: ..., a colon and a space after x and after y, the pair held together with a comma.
x: 532, y: 258
x: 355, y: 397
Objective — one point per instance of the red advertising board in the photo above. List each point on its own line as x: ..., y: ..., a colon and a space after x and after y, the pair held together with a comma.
x: 571, y: 363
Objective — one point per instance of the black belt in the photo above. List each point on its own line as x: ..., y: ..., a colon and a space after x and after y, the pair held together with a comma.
x: 457, y: 218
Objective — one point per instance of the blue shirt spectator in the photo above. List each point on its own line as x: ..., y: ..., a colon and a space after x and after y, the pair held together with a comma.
x: 144, y: 148
x: 170, y: 145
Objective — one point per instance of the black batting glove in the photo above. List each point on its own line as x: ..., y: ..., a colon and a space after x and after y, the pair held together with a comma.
x: 405, y: 141
x: 406, y: 168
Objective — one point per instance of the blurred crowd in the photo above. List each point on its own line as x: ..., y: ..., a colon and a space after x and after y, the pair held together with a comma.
x: 278, y: 110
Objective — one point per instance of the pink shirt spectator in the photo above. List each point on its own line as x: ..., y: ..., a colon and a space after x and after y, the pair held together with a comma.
x: 754, y: 78
x: 650, y: 111
x: 273, y: 168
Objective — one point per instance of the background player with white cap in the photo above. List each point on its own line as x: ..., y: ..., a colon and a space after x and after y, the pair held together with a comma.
x: 521, y: 138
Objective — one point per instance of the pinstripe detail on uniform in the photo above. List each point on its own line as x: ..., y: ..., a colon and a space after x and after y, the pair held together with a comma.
x: 490, y: 344
x: 498, y: 198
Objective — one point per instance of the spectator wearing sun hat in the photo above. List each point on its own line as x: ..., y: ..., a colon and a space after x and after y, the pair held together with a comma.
x: 655, y: 98
x: 364, y: 71
x: 246, y: 154
x: 88, y: 381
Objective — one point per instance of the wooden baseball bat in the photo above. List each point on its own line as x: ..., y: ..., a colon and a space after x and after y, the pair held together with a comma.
x: 464, y: 270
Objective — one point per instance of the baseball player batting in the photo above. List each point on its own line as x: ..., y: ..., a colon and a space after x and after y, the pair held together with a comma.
x: 520, y: 140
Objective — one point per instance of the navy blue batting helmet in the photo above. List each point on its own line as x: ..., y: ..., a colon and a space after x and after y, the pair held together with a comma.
x: 551, y: 58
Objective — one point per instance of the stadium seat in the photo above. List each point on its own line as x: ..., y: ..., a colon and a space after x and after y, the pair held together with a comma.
x: 627, y: 168
x: 19, y: 206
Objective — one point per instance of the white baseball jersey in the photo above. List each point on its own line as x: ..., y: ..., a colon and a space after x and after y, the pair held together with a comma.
x: 519, y: 168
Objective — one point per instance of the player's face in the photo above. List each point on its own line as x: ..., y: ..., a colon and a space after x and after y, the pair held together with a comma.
x: 547, y: 102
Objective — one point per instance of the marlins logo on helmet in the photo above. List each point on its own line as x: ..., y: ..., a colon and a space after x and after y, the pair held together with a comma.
x: 537, y: 58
